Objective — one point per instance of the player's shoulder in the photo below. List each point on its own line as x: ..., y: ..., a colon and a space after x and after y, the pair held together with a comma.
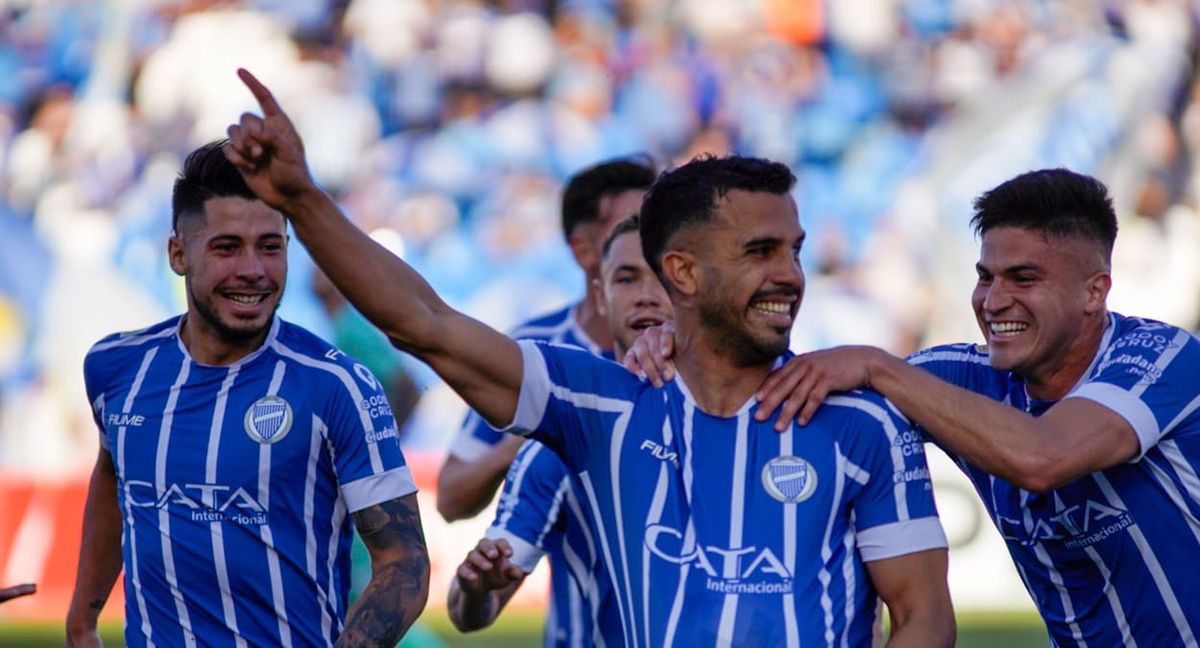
x: 544, y: 327
x: 318, y: 358
x: 865, y: 405
x: 1150, y: 333
x: 111, y: 351
x: 965, y: 353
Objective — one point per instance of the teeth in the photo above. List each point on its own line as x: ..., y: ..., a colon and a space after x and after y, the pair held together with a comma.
x: 780, y: 308
x: 1007, y: 328
x: 248, y: 300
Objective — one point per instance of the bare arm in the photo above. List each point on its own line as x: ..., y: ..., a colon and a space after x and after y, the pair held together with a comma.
x: 483, y: 585
x: 99, y: 554
x: 466, y: 487
x: 1073, y: 438
x: 481, y: 364
x: 399, y: 583
x: 918, y: 599
x: 16, y: 591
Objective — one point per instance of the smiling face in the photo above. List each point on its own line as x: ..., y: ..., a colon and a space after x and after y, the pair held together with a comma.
x: 630, y: 297
x: 234, y: 262
x: 1036, y: 302
x: 750, y: 280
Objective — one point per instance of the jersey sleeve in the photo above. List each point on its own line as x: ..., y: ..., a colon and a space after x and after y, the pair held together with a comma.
x: 529, y: 504
x: 570, y: 399
x: 93, y: 385
x: 894, y: 510
x: 364, y: 441
x: 1149, y: 378
x: 474, y: 439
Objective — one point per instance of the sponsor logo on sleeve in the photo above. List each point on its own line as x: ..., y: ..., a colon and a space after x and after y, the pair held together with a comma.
x: 268, y: 420
x: 789, y: 479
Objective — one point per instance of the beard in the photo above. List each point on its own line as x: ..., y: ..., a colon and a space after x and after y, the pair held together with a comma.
x: 734, y: 339
x: 232, y: 333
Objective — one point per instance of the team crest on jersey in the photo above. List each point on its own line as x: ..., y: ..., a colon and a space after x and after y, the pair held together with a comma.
x: 268, y: 419
x: 789, y: 479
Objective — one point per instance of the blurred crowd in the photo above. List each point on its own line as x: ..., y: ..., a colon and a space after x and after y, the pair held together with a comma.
x: 445, y: 128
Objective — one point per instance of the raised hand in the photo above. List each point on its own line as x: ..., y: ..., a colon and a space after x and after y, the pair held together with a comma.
x: 268, y: 150
x: 487, y: 568
x: 650, y: 355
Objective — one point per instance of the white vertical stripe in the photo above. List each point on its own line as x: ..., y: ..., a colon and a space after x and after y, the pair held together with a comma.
x: 1186, y: 636
x: 654, y: 516
x: 1181, y: 339
x: 615, y: 447
x: 316, y: 435
x: 689, y: 534
x: 576, y: 610
x: 164, y: 516
x: 135, y: 576
x: 347, y: 380
x: 517, y: 482
x: 590, y: 491
x: 1187, y: 476
x: 339, y: 517
x: 264, y: 498
x: 848, y: 574
x: 216, y: 527
x: 737, y: 511
x: 791, y: 627
x: 826, y: 542
x: 1055, y: 577
x: 900, y: 491
x: 560, y: 493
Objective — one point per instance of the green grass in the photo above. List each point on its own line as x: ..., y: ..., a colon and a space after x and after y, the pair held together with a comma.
x: 975, y: 630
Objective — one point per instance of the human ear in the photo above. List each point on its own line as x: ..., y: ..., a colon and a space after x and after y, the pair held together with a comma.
x: 679, y: 269
x: 175, y: 254
x: 1097, y: 288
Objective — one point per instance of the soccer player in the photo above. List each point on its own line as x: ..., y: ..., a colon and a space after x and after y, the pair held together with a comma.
x: 712, y: 528
x: 1078, y: 426
x: 235, y: 450
x: 593, y: 201
x: 541, y: 508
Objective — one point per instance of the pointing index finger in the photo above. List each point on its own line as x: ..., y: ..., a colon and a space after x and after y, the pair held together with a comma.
x: 265, y: 99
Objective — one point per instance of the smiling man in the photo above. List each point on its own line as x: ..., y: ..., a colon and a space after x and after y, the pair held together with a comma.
x: 712, y: 528
x: 235, y: 448
x: 1079, y: 427
x: 542, y: 510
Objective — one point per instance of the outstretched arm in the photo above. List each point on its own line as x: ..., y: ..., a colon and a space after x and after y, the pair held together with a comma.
x: 1073, y: 438
x: 399, y: 583
x: 99, y: 554
x: 483, y: 584
x: 914, y: 588
x: 481, y: 364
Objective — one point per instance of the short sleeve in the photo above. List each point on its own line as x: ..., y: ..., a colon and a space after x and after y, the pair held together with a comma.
x: 363, y: 440
x: 530, y: 503
x: 1149, y: 378
x: 894, y: 509
x: 474, y: 439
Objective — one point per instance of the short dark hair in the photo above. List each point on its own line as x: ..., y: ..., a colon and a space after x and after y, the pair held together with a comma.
x: 631, y: 223
x: 581, y: 197
x: 1054, y: 202
x: 686, y: 196
x: 206, y: 174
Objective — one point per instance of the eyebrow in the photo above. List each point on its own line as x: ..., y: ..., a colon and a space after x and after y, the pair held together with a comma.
x: 770, y: 240
x: 1013, y: 269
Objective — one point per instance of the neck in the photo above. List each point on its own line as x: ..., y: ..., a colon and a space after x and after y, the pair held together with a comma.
x: 1055, y: 382
x: 591, y: 321
x: 207, y: 347
x: 719, y: 385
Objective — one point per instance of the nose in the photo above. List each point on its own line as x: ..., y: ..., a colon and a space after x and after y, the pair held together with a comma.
x: 996, y: 297
x: 250, y: 265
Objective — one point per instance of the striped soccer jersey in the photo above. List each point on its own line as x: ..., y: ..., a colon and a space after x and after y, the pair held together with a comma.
x: 540, y: 513
x: 235, y: 483
x: 1109, y: 559
x: 570, y: 619
x: 720, y: 531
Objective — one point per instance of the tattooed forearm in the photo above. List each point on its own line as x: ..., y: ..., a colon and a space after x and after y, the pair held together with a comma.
x: 399, y: 574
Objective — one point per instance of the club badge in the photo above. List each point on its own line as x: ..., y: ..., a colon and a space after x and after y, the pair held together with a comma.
x: 268, y: 419
x: 789, y: 479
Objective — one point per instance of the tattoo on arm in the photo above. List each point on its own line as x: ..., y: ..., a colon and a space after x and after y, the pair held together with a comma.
x: 399, y: 574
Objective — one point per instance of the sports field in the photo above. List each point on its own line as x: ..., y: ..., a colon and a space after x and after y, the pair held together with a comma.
x: 523, y: 631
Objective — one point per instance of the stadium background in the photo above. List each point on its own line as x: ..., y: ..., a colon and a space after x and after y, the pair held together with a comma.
x: 446, y: 127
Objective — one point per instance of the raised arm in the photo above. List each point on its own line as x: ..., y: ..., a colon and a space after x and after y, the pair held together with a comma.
x: 99, y: 554
x: 1073, y: 438
x: 399, y: 583
x: 914, y: 588
x: 481, y: 364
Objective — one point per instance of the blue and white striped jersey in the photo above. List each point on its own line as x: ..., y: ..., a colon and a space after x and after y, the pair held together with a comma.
x: 1109, y: 559
x: 719, y: 531
x: 540, y: 514
x: 235, y: 483
x: 476, y: 437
